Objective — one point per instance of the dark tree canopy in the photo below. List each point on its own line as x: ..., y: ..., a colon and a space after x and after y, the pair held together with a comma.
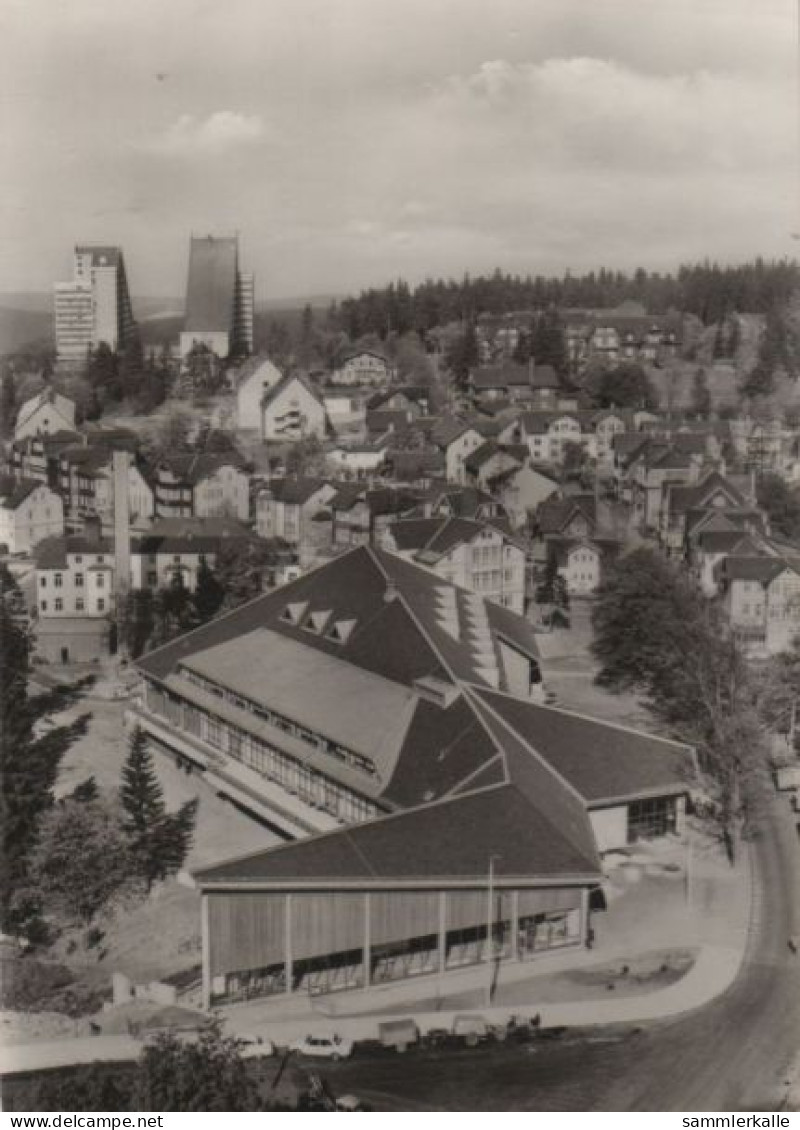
x: 626, y: 386
x: 29, y: 767
x: 781, y: 503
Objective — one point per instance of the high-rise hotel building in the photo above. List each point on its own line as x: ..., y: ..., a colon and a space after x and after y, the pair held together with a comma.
x: 95, y: 306
x: 219, y: 299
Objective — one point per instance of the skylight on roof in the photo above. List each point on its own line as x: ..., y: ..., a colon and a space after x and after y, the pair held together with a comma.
x: 340, y: 631
x: 317, y: 621
x: 294, y: 613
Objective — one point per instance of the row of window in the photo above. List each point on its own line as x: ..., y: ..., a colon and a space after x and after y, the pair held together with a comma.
x: 58, y: 581
x: 309, y: 784
x: 80, y: 605
x: 320, y: 743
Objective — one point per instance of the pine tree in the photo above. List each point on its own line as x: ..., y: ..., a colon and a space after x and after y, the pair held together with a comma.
x: 160, y: 841
x: 8, y: 403
x: 140, y: 793
x: 173, y: 840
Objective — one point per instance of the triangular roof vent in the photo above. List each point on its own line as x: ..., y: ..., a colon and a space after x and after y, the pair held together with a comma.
x: 340, y: 631
x: 294, y: 613
x: 317, y: 621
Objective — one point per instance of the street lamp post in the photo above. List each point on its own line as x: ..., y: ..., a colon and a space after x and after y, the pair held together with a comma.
x: 490, y: 928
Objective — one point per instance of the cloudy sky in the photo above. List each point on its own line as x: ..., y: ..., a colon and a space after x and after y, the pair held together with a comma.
x: 351, y: 141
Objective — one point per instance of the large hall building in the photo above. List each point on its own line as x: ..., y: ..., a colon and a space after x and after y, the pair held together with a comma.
x: 391, y: 725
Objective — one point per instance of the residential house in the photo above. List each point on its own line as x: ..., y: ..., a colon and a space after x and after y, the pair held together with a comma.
x: 290, y: 509
x: 492, y: 459
x: 413, y: 399
x: 359, y: 460
x: 624, y: 334
x: 36, y: 457
x: 74, y: 596
x: 548, y: 434
x: 45, y: 414
x: 479, y: 556
x: 457, y: 439
x: 30, y: 511
x: 708, y: 547
x: 254, y: 380
x: 346, y: 408
x: 448, y: 501
x: 85, y: 480
x: 687, y: 509
x: 361, y: 514
x: 761, y: 599
x: 581, y: 561
x: 292, y: 410
x: 536, y: 386
x: 362, y: 367
x: 175, y: 549
x: 522, y: 489
x: 202, y: 486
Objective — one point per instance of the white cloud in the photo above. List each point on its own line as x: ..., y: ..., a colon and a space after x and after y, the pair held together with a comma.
x: 222, y: 130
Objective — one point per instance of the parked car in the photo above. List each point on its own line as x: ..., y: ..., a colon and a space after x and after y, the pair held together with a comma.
x: 351, y: 1103
x: 398, y: 1034
x: 323, y: 1046
x: 473, y: 1030
x: 252, y: 1046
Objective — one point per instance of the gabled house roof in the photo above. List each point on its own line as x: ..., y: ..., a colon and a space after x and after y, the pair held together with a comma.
x: 762, y: 568
x: 51, y: 553
x: 416, y: 394
x: 13, y: 492
x: 286, y: 383
x: 555, y: 514
x: 64, y: 405
x: 295, y: 490
x: 192, y: 469
x: 699, y: 495
x: 725, y: 541
x: 433, y: 538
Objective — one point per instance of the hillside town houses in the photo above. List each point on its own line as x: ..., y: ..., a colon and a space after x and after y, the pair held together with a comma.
x: 517, y: 478
x: 404, y: 552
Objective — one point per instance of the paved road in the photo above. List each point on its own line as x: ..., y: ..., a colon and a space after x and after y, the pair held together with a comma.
x: 730, y: 1055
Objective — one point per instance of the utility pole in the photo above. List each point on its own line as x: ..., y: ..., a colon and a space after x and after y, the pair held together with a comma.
x: 490, y: 928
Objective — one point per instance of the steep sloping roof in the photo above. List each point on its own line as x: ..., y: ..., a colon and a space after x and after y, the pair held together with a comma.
x: 211, y: 288
x: 761, y: 569
x: 13, y: 492
x: 295, y: 490
x: 600, y: 761
x: 51, y: 553
x: 467, y: 831
x: 194, y: 468
x: 285, y: 383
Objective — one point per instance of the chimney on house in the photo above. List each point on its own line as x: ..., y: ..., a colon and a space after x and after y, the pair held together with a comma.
x: 121, y: 462
x: 93, y: 529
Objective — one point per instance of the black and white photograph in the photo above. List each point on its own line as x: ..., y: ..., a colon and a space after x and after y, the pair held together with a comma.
x: 400, y: 558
